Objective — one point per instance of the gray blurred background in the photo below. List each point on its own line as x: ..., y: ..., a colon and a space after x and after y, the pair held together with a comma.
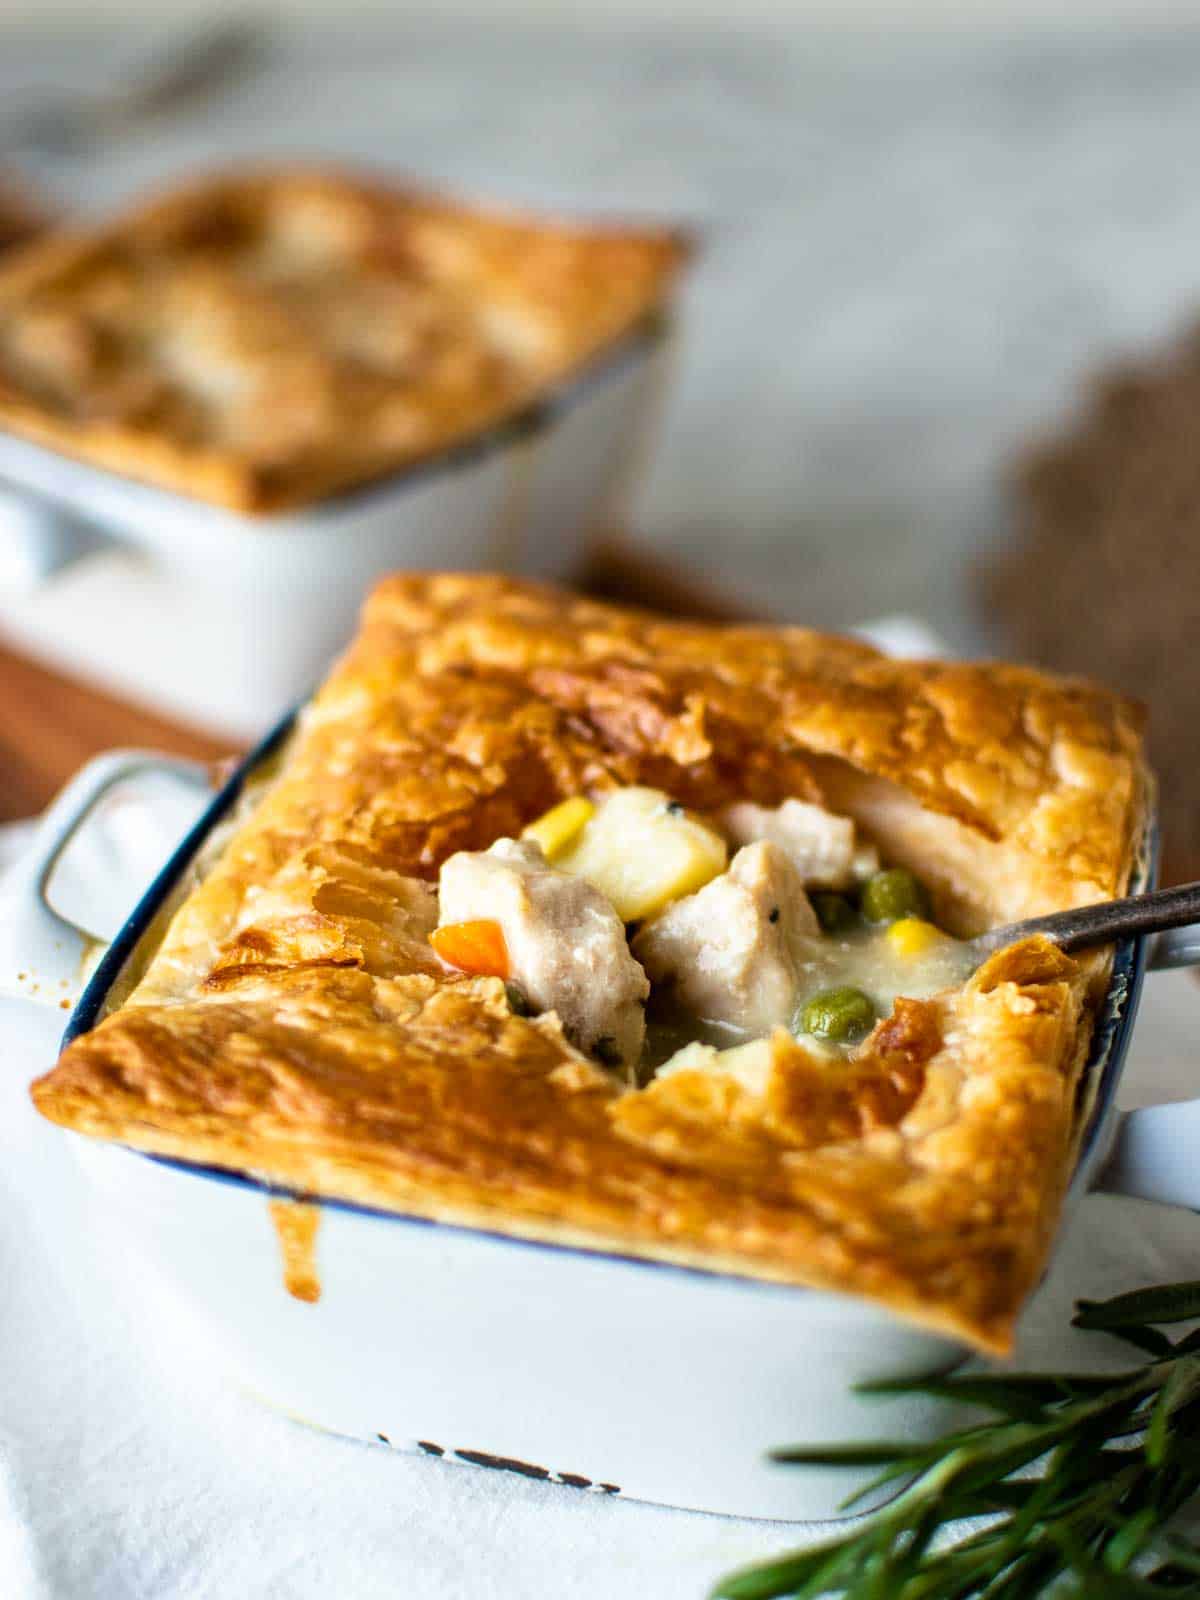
x: 921, y: 226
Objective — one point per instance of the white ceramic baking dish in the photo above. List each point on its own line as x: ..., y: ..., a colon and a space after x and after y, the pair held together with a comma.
x: 226, y: 619
x: 600, y: 1372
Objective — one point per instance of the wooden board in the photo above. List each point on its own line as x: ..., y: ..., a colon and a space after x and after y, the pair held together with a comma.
x: 50, y: 725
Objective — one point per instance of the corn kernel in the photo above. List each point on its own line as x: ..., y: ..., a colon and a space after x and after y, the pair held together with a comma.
x: 560, y: 826
x: 912, y: 937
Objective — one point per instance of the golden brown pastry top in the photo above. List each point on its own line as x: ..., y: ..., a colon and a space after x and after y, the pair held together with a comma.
x: 262, y: 340
x: 295, y: 1024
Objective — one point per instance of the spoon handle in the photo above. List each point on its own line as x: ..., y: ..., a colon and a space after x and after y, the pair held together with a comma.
x: 1100, y: 924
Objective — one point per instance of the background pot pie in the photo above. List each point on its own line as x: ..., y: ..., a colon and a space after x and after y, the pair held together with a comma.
x: 579, y: 925
x: 265, y: 339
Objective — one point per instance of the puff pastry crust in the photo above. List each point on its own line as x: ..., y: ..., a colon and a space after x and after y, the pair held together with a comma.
x: 293, y: 1022
x: 263, y: 340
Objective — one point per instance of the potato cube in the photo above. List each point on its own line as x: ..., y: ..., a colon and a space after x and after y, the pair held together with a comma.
x: 643, y: 850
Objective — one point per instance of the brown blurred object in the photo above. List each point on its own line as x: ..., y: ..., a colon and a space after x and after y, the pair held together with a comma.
x: 50, y: 725
x: 21, y: 218
x: 1103, y: 572
x: 619, y: 570
x: 362, y: 328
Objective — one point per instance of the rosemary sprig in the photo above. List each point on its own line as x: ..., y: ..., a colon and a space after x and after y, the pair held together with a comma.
x: 1117, y: 1455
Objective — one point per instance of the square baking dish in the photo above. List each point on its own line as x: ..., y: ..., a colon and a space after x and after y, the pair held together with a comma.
x: 228, y: 408
x: 584, y: 1367
x: 265, y: 602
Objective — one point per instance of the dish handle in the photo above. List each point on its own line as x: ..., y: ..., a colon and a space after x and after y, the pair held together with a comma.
x: 43, y: 953
x: 1154, y: 1155
x: 39, y: 539
x: 1155, y: 1152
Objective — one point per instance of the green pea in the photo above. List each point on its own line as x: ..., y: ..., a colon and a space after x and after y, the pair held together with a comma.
x: 843, y: 1015
x: 893, y: 894
x: 518, y: 1001
x: 834, y: 912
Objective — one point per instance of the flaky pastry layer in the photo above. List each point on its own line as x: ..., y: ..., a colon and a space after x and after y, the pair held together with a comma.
x: 265, y: 339
x: 294, y: 1025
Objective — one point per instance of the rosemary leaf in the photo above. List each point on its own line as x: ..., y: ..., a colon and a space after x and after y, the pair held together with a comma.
x: 1180, y: 1387
x: 1075, y: 1478
x: 1021, y: 1395
x: 848, y: 1455
x: 1129, y: 1539
x: 791, y: 1575
x: 1150, y: 1340
x: 1171, y: 1302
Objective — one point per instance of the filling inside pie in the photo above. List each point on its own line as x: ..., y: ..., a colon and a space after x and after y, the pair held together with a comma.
x: 666, y: 940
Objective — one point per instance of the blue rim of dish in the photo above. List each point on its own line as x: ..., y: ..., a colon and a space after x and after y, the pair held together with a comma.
x: 1099, y: 1080
x: 87, y: 1011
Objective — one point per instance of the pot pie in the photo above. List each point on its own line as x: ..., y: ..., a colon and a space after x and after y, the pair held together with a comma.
x: 262, y: 340
x: 571, y: 923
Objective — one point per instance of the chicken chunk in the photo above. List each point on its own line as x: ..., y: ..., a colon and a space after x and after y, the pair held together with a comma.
x: 823, y: 847
x: 567, y: 948
x: 729, y: 950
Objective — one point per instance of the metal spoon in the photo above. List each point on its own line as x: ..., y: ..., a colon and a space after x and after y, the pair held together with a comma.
x: 1161, y: 909
x: 189, y: 69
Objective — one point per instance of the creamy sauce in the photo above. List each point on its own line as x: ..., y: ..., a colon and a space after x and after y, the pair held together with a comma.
x: 866, y: 959
x: 296, y: 1223
x: 861, y: 958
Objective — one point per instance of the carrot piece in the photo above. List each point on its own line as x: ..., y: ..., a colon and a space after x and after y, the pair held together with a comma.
x: 473, y: 947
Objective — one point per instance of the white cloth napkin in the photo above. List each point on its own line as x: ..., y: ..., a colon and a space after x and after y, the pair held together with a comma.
x: 129, y: 1469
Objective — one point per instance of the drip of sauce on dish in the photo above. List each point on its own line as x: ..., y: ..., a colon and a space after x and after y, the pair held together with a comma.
x: 295, y: 1223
